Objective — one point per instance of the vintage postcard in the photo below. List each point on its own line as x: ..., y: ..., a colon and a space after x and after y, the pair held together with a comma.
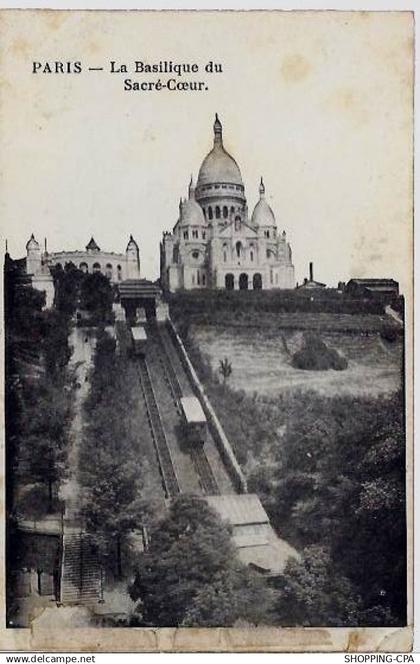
x: 207, y: 220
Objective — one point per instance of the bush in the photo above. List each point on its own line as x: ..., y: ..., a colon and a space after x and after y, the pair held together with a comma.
x: 316, y: 356
x: 389, y: 333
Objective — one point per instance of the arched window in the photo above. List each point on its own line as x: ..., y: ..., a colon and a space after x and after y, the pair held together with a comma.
x: 210, y: 213
x: 266, y: 233
x: 204, y: 279
x: 108, y: 270
x: 193, y: 279
x: 217, y: 212
x: 225, y: 253
x: 175, y: 254
x: 251, y: 256
x: 257, y: 281
x: 243, y: 281
x: 198, y: 277
x: 271, y: 275
x: 84, y: 267
x: 237, y: 223
x: 96, y: 267
x: 195, y: 255
x: 119, y: 272
x: 185, y: 235
x: 229, y: 282
x: 232, y: 210
x: 225, y: 212
x: 204, y: 235
x: 238, y: 249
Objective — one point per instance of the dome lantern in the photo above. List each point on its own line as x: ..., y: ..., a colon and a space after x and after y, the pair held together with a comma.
x: 217, y: 128
x: 191, y: 189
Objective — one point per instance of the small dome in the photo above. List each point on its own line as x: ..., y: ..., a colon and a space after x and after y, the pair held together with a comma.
x: 32, y: 243
x: 191, y: 213
x: 263, y: 215
x: 219, y: 166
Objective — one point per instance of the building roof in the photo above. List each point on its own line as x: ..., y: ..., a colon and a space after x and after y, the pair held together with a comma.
x: 192, y: 409
x: 239, y: 509
x: 270, y: 557
x: 92, y: 246
x: 219, y: 166
x: 311, y: 283
x: 137, y: 288
x: 375, y: 283
x: 253, y: 536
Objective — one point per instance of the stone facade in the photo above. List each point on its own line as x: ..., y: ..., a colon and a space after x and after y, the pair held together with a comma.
x: 214, y: 243
x: 117, y: 267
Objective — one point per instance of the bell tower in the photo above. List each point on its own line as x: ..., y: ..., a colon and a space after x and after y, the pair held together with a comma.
x: 33, y: 256
x: 132, y: 255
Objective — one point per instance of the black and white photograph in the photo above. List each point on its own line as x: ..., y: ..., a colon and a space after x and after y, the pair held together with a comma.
x: 207, y: 253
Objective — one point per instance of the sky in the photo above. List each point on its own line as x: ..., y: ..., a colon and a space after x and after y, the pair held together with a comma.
x: 318, y: 103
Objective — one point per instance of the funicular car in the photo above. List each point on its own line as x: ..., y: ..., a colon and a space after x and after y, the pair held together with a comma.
x: 139, y: 341
x: 194, y: 420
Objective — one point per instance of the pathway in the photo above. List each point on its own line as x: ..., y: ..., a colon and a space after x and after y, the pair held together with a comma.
x: 83, y: 341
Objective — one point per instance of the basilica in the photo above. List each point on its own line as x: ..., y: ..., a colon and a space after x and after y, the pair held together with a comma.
x: 214, y: 243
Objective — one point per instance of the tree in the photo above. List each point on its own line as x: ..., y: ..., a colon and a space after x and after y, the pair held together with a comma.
x: 97, y: 296
x: 341, y: 473
x: 47, y: 463
x: 190, y: 574
x: 109, y: 463
x: 225, y: 368
x: 67, y: 285
x: 313, y: 593
x: 113, y: 504
x: 55, y: 347
x: 43, y: 434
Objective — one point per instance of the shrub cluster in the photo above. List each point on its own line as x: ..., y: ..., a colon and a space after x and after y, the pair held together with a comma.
x: 316, y: 356
x: 328, y: 300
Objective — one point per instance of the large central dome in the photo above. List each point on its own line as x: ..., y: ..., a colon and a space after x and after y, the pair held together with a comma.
x: 219, y: 167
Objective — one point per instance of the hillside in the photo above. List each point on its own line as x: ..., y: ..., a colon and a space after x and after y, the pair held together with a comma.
x: 261, y: 360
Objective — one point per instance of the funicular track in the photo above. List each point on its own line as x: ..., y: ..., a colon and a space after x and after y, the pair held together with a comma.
x: 165, y: 350
x: 169, y: 478
x: 204, y: 472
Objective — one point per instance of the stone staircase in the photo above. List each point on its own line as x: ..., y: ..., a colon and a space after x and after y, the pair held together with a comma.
x: 81, y: 577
